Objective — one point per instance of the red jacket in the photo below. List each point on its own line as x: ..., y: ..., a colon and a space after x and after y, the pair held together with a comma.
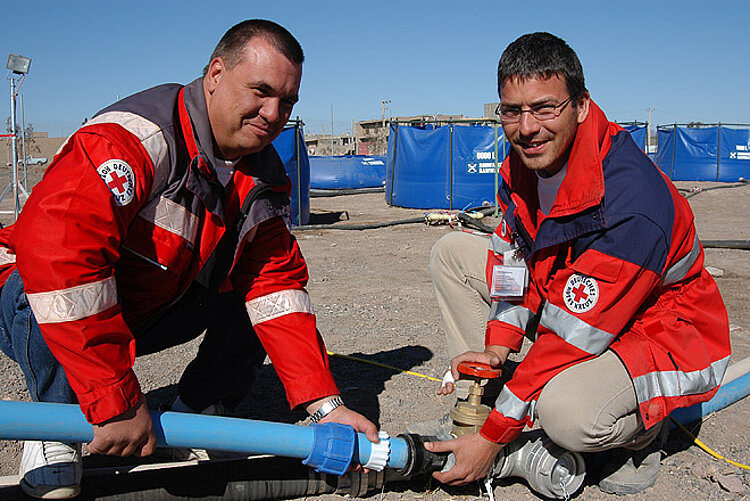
x: 616, y: 264
x: 128, y: 215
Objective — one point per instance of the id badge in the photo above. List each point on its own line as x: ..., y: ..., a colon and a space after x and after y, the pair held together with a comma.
x: 510, y: 279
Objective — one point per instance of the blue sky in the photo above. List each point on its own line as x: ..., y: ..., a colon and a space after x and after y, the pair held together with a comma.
x: 688, y: 60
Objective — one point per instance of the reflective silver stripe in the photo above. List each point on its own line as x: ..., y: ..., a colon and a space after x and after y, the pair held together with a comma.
x: 574, y: 330
x: 498, y: 245
x: 278, y: 304
x: 677, y: 383
x: 678, y: 270
x: 172, y: 217
x: 6, y: 256
x: 512, y: 314
x: 75, y: 303
x: 152, y: 139
x: 511, y: 406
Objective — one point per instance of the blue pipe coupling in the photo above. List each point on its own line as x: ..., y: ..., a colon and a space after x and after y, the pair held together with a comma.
x: 333, y: 448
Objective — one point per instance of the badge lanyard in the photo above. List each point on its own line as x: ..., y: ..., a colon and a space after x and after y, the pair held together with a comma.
x: 510, y: 280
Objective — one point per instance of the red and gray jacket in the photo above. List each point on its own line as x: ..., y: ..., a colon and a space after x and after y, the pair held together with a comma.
x: 128, y: 215
x: 616, y: 264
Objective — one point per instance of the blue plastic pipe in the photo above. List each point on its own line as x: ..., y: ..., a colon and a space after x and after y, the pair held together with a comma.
x: 65, y: 423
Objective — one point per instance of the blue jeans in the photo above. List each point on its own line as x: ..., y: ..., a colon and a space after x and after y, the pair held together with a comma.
x: 223, y: 370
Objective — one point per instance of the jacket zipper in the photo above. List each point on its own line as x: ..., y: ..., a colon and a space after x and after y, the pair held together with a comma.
x: 155, y: 263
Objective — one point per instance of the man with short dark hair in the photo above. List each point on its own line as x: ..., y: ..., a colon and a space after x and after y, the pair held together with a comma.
x: 164, y: 216
x: 597, y: 261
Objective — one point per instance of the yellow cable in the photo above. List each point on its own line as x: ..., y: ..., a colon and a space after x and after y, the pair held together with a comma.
x: 378, y: 364
x: 705, y: 447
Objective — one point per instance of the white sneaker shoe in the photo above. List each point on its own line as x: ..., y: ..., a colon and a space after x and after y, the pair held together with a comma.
x: 51, y: 470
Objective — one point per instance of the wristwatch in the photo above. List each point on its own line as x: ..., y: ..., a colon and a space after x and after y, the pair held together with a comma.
x: 326, y: 409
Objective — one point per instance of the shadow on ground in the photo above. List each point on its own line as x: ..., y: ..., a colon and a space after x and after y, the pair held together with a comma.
x: 328, y: 217
x: 360, y: 384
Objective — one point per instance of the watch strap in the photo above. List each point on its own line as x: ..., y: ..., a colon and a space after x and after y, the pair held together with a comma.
x: 326, y: 409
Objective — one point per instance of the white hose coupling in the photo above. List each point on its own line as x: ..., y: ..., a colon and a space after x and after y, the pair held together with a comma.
x: 379, y: 452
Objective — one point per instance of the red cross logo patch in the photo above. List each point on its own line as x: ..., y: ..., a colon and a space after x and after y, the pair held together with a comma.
x: 120, y: 180
x: 581, y: 293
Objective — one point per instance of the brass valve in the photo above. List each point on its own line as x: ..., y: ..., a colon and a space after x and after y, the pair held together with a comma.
x: 469, y: 416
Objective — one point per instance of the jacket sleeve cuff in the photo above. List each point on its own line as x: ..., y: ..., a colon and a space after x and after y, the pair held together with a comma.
x: 108, y: 402
x: 311, y: 387
x: 500, y: 429
x: 498, y: 334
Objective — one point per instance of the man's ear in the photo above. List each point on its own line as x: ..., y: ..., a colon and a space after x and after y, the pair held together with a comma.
x: 582, y: 107
x: 215, y: 71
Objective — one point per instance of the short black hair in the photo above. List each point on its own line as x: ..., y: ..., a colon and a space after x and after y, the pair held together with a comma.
x: 233, y: 43
x: 542, y: 55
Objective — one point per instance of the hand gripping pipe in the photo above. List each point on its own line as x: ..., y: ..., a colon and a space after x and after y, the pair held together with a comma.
x: 329, y: 448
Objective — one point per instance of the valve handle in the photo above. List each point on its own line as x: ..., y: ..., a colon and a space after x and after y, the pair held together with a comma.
x: 479, y: 369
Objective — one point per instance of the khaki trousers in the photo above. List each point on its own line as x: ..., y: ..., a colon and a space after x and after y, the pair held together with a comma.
x: 589, y: 407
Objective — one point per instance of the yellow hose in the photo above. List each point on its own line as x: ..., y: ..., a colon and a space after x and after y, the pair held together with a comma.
x: 378, y: 364
x: 705, y: 447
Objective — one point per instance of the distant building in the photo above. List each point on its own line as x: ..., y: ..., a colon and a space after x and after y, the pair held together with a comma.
x: 321, y: 144
x: 489, y: 110
x: 370, y: 136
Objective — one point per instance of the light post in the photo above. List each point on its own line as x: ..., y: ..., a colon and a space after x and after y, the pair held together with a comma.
x: 384, y: 103
x: 18, y: 65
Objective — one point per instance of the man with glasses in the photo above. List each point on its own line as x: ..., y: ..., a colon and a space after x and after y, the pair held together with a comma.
x: 597, y: 262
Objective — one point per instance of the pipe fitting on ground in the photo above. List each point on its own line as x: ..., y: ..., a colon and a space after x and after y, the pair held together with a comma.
x: 549, y: 469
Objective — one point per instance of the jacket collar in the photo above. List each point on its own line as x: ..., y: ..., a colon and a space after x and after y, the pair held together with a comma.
x: 195, y: 103
x: 583, y: 186
x: 193, y: 118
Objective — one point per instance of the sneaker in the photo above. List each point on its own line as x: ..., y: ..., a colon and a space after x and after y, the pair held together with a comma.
x: 51, y: 470
x: 438, y: 428
x: 629, y: 471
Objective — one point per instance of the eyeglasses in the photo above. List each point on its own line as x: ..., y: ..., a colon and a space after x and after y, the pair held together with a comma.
x: 541, y: 112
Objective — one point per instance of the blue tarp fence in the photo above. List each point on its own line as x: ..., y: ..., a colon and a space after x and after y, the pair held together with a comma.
x: 713, y: 153
x: 347, y: 172
x: 446, y: 167
x: 290, y: 145
x: 638, y: 133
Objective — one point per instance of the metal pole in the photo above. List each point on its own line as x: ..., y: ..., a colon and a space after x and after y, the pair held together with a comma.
x: 332, y: 153
x: 450, y: 164
x: 718, y: 152
x: 14, y: 151
x: 382, y: 128
x: 393, y: 163
x: 497, y: 171
x: 23, y: 140
x: 299, y: 173
x: 497, y: 205
x: 674, y: 150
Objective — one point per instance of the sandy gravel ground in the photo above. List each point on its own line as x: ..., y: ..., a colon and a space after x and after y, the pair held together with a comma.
x: 372, y: 293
